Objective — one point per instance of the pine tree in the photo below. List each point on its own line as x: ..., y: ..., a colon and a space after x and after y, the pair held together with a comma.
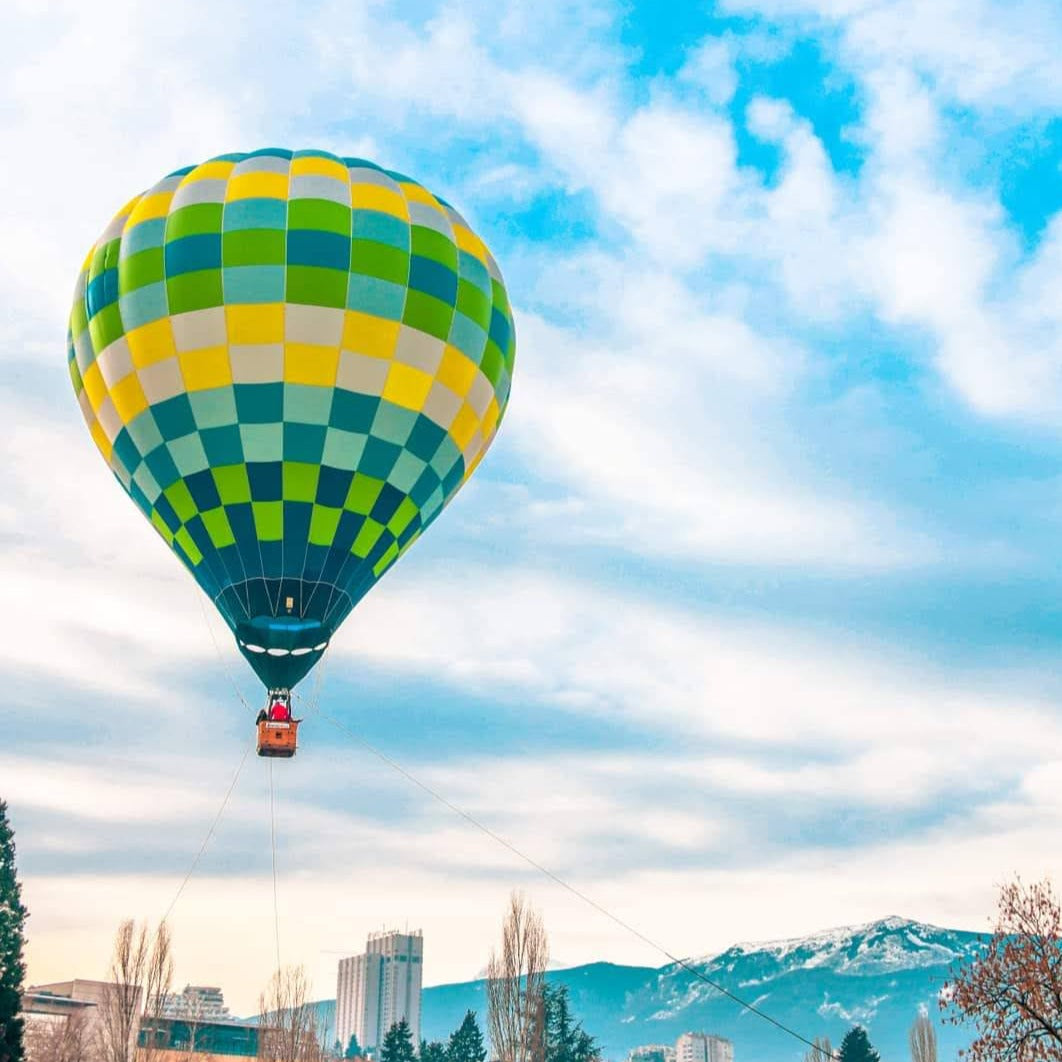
x: 12, y: 966
x: 398, y: 1044
x: 855, y: 1047
x: 353, y: 1049
x: 566, y: 1040
x: 466, y: 1042
x: 432, y: 1051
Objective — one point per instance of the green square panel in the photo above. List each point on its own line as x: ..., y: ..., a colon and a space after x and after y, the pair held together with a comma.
x: 218, y: 528
x: 250, y: 247
x: 368, y: 536
x: 194, y: 291
x: 402, y: 517
x: 320, y: 215
x: 194, y: 220
x: 323, y: 524
x: 373, y: 259
x: 389, y: 557
x: 435, y: 245
x: 428, y: 313
x: 269, y: 520
x: 179, y: 496
x: 300, y: 481
x: 105, y: 327
x: 364, y: 490
x: 141, y: 269
x: 316, y: 286
x: 232, y: 483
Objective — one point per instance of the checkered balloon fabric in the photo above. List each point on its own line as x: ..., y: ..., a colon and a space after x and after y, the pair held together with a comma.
x: 291, y: 362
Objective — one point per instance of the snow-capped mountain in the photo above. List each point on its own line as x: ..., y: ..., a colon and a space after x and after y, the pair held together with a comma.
x: 879, y: 975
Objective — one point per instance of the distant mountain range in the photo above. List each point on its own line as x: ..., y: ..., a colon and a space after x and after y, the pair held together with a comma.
x: 879, y: 975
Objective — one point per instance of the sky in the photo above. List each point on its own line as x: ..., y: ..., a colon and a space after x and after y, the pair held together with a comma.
x: 747, y: 626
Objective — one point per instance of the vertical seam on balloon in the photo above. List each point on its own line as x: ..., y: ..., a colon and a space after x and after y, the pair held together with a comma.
x: 283, y: 388
x: 228, y: 355
x: 305, y: 603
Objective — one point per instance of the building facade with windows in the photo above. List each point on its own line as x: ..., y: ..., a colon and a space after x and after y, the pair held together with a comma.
x: 380, y: 988
x: 703, y: 1047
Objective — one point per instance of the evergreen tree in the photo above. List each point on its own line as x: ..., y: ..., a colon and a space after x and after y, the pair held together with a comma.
x: 566, y: 1040
x: 398, y: 1044
x: 466, y: 1042
x: 855, y: 1047
x: 12, y: 966
x: 432, y: 1051
x: 353, y: 1049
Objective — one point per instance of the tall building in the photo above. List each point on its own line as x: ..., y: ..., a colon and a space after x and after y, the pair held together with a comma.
x: 702, y: 1047
x: 198, y: 1003
x: 378, y: 989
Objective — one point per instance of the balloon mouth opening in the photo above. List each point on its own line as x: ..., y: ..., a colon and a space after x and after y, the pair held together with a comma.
x: 282, y: 636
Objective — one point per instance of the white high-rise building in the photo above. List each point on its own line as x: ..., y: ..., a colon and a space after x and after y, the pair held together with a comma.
x: 702, y: 1047
x: 378, y: 989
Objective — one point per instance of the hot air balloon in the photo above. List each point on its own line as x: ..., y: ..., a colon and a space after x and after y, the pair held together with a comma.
x: 291, y: 362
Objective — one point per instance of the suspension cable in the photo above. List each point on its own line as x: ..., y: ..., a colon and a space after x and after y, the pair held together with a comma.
x: 273, y: 846
x: 557, y: 880
x: 209, y: 833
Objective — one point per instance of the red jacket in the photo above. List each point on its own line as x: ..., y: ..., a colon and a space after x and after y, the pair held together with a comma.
x: 279, y: 712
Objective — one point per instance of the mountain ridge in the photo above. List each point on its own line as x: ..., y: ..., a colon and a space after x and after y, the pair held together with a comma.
x: 880, y: 974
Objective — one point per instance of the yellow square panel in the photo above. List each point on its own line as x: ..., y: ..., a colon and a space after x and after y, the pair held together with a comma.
x: 464, y: 426
x: 467, y: 240
x: 407, y: 387
x: 373, y: 197
x: 206, y: 368
x: 99, y: 437
x: 490, y: 418
x: 216, y: 170
x: 128, y: 398
x: 307, y: 165
x: 95, y: 388
x: 416, y: 193
x: 253, y: 324
x: 257, y: 185
x: 456, y: 371
x: 307, y: 363
x: 473, y: 464
x: 151, y: 343
x: 149, y: 207
x: 364, y: 333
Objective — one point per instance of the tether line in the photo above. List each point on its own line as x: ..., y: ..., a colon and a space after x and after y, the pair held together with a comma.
x: 557, y: 880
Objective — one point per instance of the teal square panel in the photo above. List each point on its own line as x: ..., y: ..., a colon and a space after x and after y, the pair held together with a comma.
x: 393, y: 423
x: 372, y: 295
x: 262, y: 442
x: 253, y: 284
x: 188, y: 454
x: 343, y: 449
x: 306, y: 404
x: 214, y: 408
x: 407, y: 470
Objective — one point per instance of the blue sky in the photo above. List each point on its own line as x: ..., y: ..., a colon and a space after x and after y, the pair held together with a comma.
x: 748, y: 624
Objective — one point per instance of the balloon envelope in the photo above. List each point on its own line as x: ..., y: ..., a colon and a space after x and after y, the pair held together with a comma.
x: 291, y: 362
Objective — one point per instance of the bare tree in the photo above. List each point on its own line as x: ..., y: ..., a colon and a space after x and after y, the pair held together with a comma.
x: 1012, y: 990
x: 515, y: 979
x: 287, y: 1026
x: 141, y: 975
x: 923, y: 1039
x: 822, y: 1050
x: 67, y: 1040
